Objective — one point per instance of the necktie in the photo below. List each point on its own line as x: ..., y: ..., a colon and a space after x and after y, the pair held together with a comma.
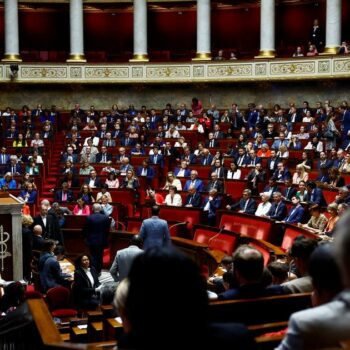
x: 216, y: 134
x: 190, y: 200
x: 172, y: 199
x: 13, y: 170
x: 205, y: 161
x: 276, y: 210
x: 218, y: 172
x: 64, y: 197
x: 155, y: 159
x: 212, y: 143
x: 287, y: 192
x: 245, y: 205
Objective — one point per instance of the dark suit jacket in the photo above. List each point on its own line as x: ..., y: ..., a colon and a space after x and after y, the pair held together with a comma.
x: 150, y: 172
x: 97, y: 181
x: 273, y: 167
x: 73, y: 156
x: 282, y: 176
x: 245, y: 160
x: 206, y: 160
x: 127, y: 142
x: 241, y: 205
x: 160, y: 159
x: 96, y: 229
x: 290, y: 192
x: 214, y: 144
x: 38, y: 242
x: 83, y: 291
x: 195, y: 200
x: 187, y: 172
x: 277, y: 211
x: 217, y: 185
x: 58, y: 196
x: 18, y: 168
x: 316, y: 197
x: 222, y: 172
x: 215, y: 204
x: 198, y: 184
x: 99, y: 157
x: 52, y: 229
x: 192, y: 159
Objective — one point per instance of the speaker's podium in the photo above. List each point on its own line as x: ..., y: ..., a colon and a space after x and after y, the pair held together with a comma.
x: 11, y: 257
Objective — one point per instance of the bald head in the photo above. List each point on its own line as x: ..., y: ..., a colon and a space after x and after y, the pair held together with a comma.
x: 37, y: 230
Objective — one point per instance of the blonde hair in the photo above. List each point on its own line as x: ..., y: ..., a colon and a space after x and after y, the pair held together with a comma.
x: 27, y: 220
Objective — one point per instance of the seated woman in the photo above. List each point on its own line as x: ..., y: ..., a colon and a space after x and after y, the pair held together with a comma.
x: 171, y: 180
x: 36, y: 157
x: 335, y: 179
x: 180, y: 142
x: 152, y: 196
x: 85, y: 168
x: 283, y: 152
x: 264, y: 207
x: 112, y: 180
x: 32, y: 168
x: 173, y: 198
x: 7, y: 182
x: 104, y: 192
x: 233, y: 173
x: 107, y: 209
x: 20, y: 141
x: 300, y: 174
x: 345, y: 167
x: 264, y: 151
x: 332, y: 209
x: 26, y: 178
x: 302, y: 193
x: 196, y: 126
x: 86, y: 194
x: 312, y: 51
x: 306, y: 161
x: 86, y: 284
x: 317, y: 222
x: 295, y: 144
x: 130, y: 180
x: 315, y: 144
x: 81, y: 208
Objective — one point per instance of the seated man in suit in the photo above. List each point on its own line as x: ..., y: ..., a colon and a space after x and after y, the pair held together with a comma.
x: 14, y: 167
x: 278, y: 209
x: 69, y: 155
x: 248, y: 272
x: 242, y: 159
x: 108, y: 141
x: 255, y: 177
x: 193, y: 199
x: 189, y: 157
x: 156, y: 157
x: 125, y: 166
x: 124, y: 259
x: 281, y: 174
x: 145, y: 171
x: 206, y: 158
x: 215, y: 183
x: 315, y: 194
x: 272, y: 162
x: 289, y: 191
x: 211, y: 204
x: 296, y: 213
x: 218, y: 169
x: 183, y: 171
x: 4, y: 156
x: 121, y: 155
x: 245, y: 205
x: 64, y: 195
x: 28, y: 194
x: 193, y: 181
x: 253, y: 160
x: 103, y: 157
x: 93, y: 181
x: 212, y: 142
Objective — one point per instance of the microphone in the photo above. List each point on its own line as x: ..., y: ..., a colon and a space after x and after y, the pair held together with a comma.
x: 215, y: 236
x: 178, y: 224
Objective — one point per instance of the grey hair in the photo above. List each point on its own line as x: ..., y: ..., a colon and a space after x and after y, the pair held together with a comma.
x: 96, y: 207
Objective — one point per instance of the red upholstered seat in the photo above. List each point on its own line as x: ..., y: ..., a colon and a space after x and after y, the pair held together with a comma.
x: 59, y: 302
x: 106, y: 258
x: 33, y: 294
x: 216, y: 239
x: 292, y: 232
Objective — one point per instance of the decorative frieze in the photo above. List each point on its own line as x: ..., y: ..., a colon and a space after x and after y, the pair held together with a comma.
x: 229, y: 71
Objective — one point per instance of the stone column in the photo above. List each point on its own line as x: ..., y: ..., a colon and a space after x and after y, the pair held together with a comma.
x: 203, y: 31
x: 76, y: 31
x: 267, y: 29
x: 140, y: 31
x: 333, y: 27
x: 11, y: 32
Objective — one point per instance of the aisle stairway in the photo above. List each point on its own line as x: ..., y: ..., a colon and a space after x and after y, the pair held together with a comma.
x: 53, y: 168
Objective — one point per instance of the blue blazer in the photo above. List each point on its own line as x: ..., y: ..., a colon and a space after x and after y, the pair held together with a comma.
x: 245, y: 161
x: 198, y: 185
x: 192, y: 158
x: 160, y: 159
x: 65, y: 157
x: 31, y: 198
x: 295, y: 215
x: 206, y: 160
x: 187, y: 172
x: 7, y: 159
x: 316, y: 197
x: 150, y: 172
x: 155, y: 233
x: 96, y: 229
x: 277, y: 211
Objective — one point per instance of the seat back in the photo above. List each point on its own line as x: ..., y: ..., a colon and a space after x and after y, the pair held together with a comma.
x: 58, y: 298
x: 292, y: 232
